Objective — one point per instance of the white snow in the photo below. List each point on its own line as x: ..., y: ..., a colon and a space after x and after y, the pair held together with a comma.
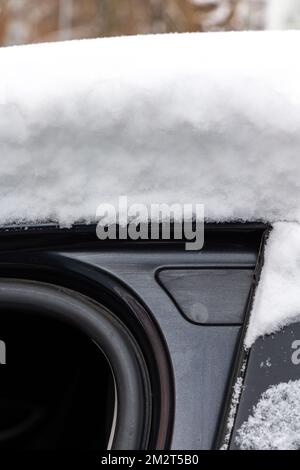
x: 192, y: 118
x: 277, y: 298
x: 275, y: 420
x: 235, y: 399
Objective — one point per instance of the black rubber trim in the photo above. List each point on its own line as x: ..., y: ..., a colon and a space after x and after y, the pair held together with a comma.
x: 15, y: 237
x: 112, y: 337
x: 224, y: 433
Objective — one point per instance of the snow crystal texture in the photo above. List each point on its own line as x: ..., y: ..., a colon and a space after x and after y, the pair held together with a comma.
x: 277, y: 298
x: 275, y: 420
x: 212, y: 119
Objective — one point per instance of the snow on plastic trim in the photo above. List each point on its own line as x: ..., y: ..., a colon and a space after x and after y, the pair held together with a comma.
x: 275, y: 421
x: 209, y: 119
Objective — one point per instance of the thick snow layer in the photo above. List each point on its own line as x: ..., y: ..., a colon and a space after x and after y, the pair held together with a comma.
x: 277, y: 298
x: 192, y: 118
x: 275, y: 420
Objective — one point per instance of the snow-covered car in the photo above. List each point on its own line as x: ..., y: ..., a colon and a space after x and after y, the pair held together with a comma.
x: 135, y: 342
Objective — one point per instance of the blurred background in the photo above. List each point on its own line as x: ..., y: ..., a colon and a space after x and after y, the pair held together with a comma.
x: 29, y: 21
